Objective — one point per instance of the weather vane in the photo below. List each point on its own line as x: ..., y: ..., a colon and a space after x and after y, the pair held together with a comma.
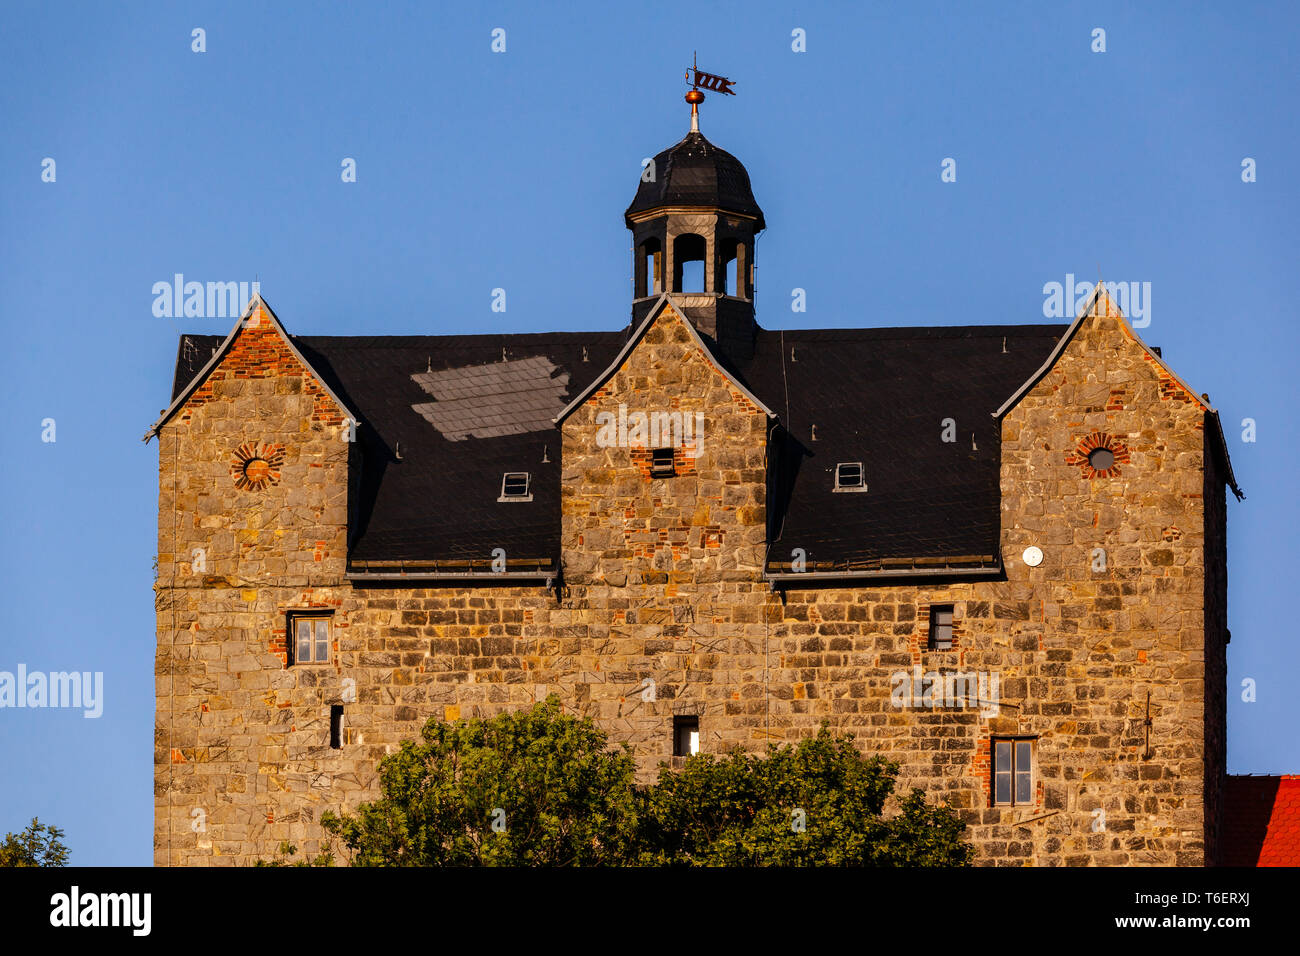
x: 709, y: 81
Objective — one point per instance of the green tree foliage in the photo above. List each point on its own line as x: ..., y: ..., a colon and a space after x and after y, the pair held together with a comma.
x: 535, y: 788
x: 541, y: 788
x: 284, y: 857
x: 38, y: 845
x: 817, y: 803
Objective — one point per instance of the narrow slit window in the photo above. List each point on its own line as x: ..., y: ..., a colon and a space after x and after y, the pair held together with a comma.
x: 940, y: 627
x: 686, y: 736
x: 336, y: 726
x: 516, y: 486
x: 661, y: 463
x: 849, y: 476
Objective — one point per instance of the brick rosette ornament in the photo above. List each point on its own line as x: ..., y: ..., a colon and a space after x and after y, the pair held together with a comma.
x: 257, y: 466
x: 1099, y: 455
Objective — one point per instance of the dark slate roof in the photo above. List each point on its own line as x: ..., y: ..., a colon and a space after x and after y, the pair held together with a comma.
x: 694, y: 172
x: 880, y: 397
x: 192, y: 354
x: 461, y: 417
x: 464, y: 409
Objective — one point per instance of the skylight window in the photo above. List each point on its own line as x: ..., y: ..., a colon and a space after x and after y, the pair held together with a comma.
x: 849, y: 476
x: 516, y: 486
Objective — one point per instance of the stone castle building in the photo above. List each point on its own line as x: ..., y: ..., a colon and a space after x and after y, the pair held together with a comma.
x: 994, y: 554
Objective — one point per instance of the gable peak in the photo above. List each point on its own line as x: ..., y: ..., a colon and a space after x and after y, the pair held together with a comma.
x: 1102, y: 304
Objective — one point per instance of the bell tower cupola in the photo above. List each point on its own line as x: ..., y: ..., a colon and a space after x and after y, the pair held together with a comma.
x: 694, y: 221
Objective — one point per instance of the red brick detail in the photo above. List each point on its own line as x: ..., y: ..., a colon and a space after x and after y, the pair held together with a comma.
x: 1079, y: 456
x: 920, y: 640
x: 256, y: 466
x: 982, y: 766
x: 683, y: 461
x: 278, y: 643
x: 259, y: 351
x: 1171, y: 390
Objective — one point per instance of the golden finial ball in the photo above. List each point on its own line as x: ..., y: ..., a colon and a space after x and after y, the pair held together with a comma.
x: 694, y: 97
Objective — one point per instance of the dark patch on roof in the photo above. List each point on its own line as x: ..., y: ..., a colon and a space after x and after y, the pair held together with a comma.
x: 439, y: 501
x: 694, y: 172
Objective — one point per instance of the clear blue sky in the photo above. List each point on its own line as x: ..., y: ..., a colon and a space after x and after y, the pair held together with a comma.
x: 478, y: 170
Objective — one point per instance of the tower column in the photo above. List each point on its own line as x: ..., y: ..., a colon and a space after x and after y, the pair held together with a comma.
x: 698, y: 190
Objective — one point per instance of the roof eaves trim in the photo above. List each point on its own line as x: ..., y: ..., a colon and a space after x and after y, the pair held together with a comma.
x: 198, y: 379
x: 1223, y: 448
x: 501, y: 578
x: 635, y: 337
x: 787, y: 577
x: 1055, y: 354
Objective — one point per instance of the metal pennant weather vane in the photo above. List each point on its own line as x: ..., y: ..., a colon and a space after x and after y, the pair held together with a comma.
x: 709, y: 81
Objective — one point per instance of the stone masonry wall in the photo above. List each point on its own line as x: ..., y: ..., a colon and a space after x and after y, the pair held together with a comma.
x: 664, y: 575
x: 664, y: 612
x: 238, y: 545
x: 1116, y: 607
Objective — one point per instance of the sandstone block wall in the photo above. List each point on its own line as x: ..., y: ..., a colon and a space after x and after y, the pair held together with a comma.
x: 663, y: 584
x: 238, y: 547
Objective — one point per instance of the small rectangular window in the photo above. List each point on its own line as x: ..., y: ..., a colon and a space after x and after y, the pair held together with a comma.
x: 849, y: 476
x: 661, y: 463
x: 940, y: 627
x: 1013, y: 772
x: 515, y: 486
x: 686, y: 736
x: 310, y: 638
x: 336, y: 726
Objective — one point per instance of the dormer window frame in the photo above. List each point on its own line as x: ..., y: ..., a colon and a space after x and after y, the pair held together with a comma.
x: 840, y: 485
x: 528, y: 486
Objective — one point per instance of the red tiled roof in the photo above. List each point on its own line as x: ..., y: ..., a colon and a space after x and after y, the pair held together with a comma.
x: 1261, y: 821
